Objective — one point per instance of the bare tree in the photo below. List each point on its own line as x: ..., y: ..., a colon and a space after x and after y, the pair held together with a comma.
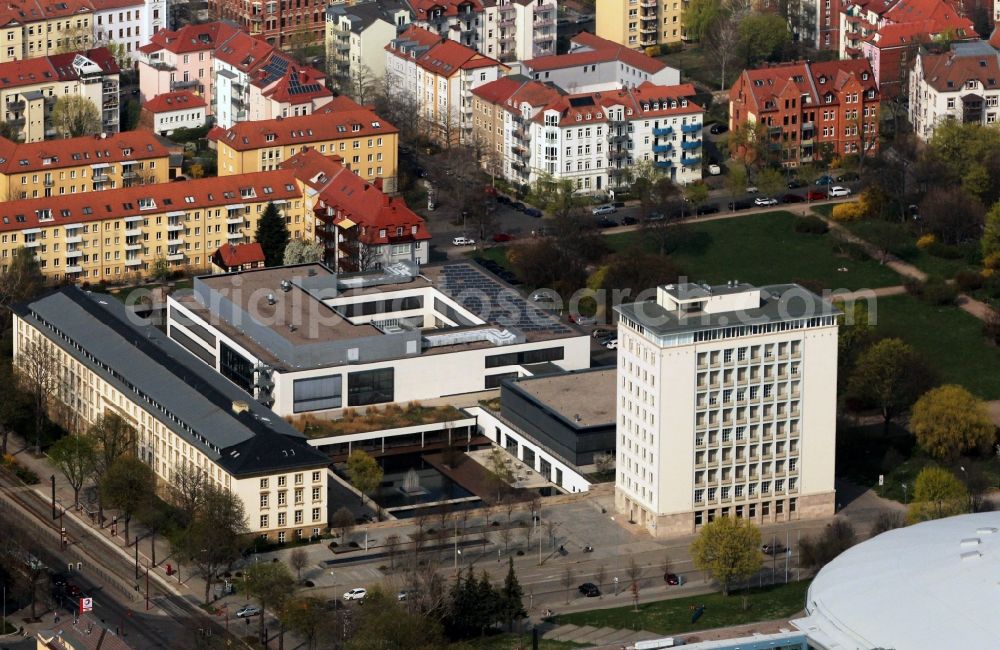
x: 666, y: 564
x: 509, y: 505
x: 634, y: 575
x: 188, y: 484
x: 505, y: 534
x: 723, y: 41
x: 392, y: 548
x: 37, y: 366
x: 298, y: 561
x: 343, y: 521
x: 362, y: 84
x: 526, y: 535
x: 601, y: 576
x: 550, y: 528
x: 567, y: 579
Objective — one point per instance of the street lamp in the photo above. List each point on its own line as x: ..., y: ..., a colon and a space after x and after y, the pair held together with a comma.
x: 904, y: 494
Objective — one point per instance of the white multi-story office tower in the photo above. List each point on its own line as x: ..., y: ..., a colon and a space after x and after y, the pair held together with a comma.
x: 726, y: 406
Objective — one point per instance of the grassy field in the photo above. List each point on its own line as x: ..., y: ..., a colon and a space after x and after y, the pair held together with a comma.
x: 765, y: 249
x: 512, y: 642
x: 674, y: 616
x: 951, y: 341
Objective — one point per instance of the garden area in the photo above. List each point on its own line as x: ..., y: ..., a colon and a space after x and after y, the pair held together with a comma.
x: 392, y: 416
x: 673, y: 616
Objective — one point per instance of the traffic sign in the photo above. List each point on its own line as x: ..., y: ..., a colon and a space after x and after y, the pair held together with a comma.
x: 86, y: 605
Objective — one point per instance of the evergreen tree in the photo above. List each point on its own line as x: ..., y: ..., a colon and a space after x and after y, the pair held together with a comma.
x: 489, y: 604
x: 512, y: 605
x: 272, y: 235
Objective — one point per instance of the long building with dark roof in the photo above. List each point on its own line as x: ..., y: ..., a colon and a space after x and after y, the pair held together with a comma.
x: 185, y: 414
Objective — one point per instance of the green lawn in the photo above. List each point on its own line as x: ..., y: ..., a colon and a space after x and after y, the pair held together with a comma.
x: 674, y: 616
x: 513, y: 642
x: 765, y: 249
x: 951, y: 341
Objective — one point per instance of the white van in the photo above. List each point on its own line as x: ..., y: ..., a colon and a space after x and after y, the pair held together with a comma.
x: 656, y: 644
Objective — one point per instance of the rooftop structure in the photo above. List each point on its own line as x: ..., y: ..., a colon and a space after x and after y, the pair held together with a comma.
x: 584, y: 398
x: 930, y: 585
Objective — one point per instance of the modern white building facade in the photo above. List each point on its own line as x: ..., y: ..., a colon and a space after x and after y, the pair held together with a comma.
x: 727, y: 406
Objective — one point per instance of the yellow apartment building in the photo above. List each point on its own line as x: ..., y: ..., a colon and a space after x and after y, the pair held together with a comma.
x: 86, y: 164
x: 30, y: 29
x: 122, y: 234
x: 366, y: 143
x: 640, y: 23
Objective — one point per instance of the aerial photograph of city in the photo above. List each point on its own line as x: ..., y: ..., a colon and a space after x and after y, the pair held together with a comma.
x: 499, y: 324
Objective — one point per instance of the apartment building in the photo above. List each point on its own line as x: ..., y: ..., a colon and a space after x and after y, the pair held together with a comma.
x: 595, y: 64
x: 356, y: 36
x: 366, y: 143
x: 727, y: 400
x: 182, y: 59
x: 130, y: 23
x: 39, y: 28
x: 889, y: 35
x: 640, y: 23
x: 957, y: 84
x: 168, y: 112
x: 30, y: 88
x: 810, y: 109
x: 439, y: 76
x: 361, y: 227
x: 125, y: 232
x: 184, y: 413
x: 85, y: 164
x: 594, y: 139
x: 282, y: 24
x: 516, y: 30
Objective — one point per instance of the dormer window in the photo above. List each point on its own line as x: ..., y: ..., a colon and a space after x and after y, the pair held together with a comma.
x: 126, y: 152
x: 147, y: 204
x: 45, y: 214
x: 269, y: 137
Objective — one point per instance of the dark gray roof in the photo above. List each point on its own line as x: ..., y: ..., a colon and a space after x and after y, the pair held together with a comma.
x: 138, y: 358
x: 779, y: 302
x: 691, y: 290
x: 364, y: 14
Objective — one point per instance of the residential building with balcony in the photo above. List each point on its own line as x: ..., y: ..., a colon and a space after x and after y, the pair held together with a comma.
x: 440, y: 76
x: 184, y: 413
x: 182, y: 59
x: 959, y: 84
x: 366, y: 143
x: 30, y: 88
x: 810, y: 109
x: 40, y: 28
x: 361, y: 228
x: 517, y: 30
x: 129, y: 23
x: 595, y: 64
x: 356, y: 37
x: 594, y: 139
x: 85, y: 164
x: 168, y: 112
x: 459, y: 20
x: 640, y: 23
x: 124, y: 234
x: 282, y: 24
x: 727, y: 406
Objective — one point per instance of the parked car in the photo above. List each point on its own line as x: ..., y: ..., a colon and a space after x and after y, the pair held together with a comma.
x: 794, y: 183
x: 590, y: 590
x: 463, y: 241
x: 752, y: 189
x: 714, y: 169
x: 612, y: 344
x: 629, y: 221
x: 655, y: 216
x: 717, y: 128
x: 605, y: 209
x: 838, y: 190
x: 707, y: 208
x: 740, y: 205
x: 582, y: 320
x: 673, y: 579
x: 533, y: 212
x: 773, y: 549
x: 824, y: 180
x: 602, y: 332
x: 501, y: 237
x: 604, y: 222
x: 543, y: 295
x: 358, y: 593
x: 792, y: 198
x: 764, y: 200
x: 816, y: 195
x: 247, y: 611
x: 847, y: 177
x: 517, y: 205
x: 502, y: 198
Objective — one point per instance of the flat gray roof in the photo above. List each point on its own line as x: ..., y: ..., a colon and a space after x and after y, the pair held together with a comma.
x: 584, y: 398
x: 779, y: 302
x: 692, y: 290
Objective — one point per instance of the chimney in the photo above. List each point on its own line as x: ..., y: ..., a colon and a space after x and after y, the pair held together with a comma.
x: 239, y: 406
x: 378, y: 183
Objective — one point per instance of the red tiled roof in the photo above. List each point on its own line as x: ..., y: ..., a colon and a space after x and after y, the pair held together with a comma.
x: 190, y: 38
x: 46, y: 69
x: 922, y: 31
x: 298, y: 86
x: 240, y: 254
x: 812, y: 79
x: 332, y: 121
x: 105, y: 5
x: 499, y: 91
x: 124, y: 202
x: 597, y: 50
x: 243, y: 51
x: 646, y: 100
x: 28, y: 11
x: 75, y: 152
x: 420, y: 36
x: 353, y: 198
x: 948, y: 71
x: 176, y: 101
x: 423, y: 8
x: 443, y: 57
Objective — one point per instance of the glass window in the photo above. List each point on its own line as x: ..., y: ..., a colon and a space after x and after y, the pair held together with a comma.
x: 317, y: 393
x: 235, y: 368
x: 370, y: 387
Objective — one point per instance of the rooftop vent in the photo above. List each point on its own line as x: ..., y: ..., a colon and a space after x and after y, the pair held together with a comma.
x: 970, y: 541
x: 270, y: 299
x: 986, y: 531
x: 971, y: 555
x: 286, y: 286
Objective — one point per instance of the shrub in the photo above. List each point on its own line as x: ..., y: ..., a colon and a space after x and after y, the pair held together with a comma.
x: 992, y: 286
x: 969, y: 280
x: 811, y: 226
x: 852, y: 250
x: 992, y: 261
x: 926, y: 241
x: 851, y: 211
x: 944, y: 251
x: 933, y: 291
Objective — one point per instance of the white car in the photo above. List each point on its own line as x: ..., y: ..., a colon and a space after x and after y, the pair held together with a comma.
x: 463, y: 241
x: 837, y: 190
x: 247, y: 611
x: 752, y: 189
x: 605, y: 209
x: 612, y: 344
x: 714, y: 170
x: 763, y: 200
x: 358, y: 593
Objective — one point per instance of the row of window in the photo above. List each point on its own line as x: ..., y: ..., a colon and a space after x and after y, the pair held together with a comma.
x: 282, y: 519
x: 265, y: 498
x: 749, y: 511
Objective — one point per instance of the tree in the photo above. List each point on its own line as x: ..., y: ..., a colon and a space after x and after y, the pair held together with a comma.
x: 728, y: 549
x: 217, y: 535
x: 272, y: 235
x: 887, y: 520
x: 819, y: 550
x: 298, y: 560
x: 600, y: 577
x: 762, y: 37
x: 161, y: 269
x: 990, y: 241
x: 343, y: 521
x: 634, y: 577
x: 854, y: 336
x: 885, y: 237
x: 300, y: 252
x: 39, y: 377
x: 74, y: 116
x: 949, y: 421
x: 747, y: 145
x: 566, y: 579
x: 770, y: 181
x: 696, y: 193
x: 271, y: 584
x: 363, y: 472
x: 723, y: 42
x: 699, y: 17
x: 75, y: 456
x: 114, y: 438
x: 22, y: 280
x: 127, y: 485
x: 391, y: 549
x: 188, y: 485
x: 937, y: 493
x: 889, y: 375
x: 384, y: 624
x: 304, y: 616
x: 15, y: 408
x: 952, y: 214
x: 511, y: 603
x: 737, y: 180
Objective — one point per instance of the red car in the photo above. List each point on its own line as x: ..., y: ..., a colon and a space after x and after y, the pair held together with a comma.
x: 503, y: 237
x: 672, y: 579
x: 816, y: 195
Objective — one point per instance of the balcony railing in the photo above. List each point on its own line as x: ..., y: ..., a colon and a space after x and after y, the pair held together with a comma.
x: 136, y: 261
x: 664, y: 164
x: 691, y: 145
x: 691, y: 162
x: 691, y: 128
x: 617, y: 137
x: 662, y: 148
x: 661, y: 132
